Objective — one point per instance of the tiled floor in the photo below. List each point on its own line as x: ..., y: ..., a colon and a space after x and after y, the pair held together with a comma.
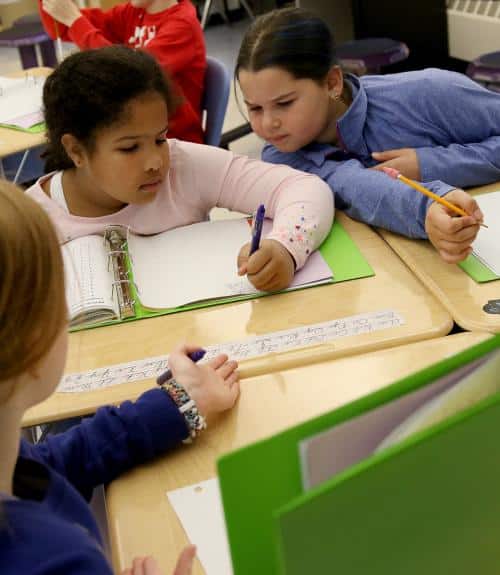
x: 223, y: 43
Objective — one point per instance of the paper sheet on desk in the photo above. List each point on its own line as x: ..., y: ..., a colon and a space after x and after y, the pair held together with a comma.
x: 199, y: 509
x: 20, y: 98
x: 486, y: 246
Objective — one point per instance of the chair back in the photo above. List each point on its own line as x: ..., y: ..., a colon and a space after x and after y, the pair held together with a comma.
x: 214, y: 100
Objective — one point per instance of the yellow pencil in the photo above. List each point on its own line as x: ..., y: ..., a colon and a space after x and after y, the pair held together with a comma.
x: 416, y: 186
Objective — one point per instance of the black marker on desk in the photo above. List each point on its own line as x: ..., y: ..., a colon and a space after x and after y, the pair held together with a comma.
x: 195, y: 356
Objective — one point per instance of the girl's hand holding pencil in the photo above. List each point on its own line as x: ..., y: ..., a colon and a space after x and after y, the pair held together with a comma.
x: 452, y: 221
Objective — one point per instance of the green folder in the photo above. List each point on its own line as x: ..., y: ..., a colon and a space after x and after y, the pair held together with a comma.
x: 428, y: 505
x: 477, y: 270
x: 339, y: 251
x: 35, y: 129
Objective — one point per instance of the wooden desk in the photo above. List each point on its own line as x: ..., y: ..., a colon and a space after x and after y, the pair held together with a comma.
x: 141, y: 520
x: 460, y: 294
x: 393, y: 287
x: 12, y: 141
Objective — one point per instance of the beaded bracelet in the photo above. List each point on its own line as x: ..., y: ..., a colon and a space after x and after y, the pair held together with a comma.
x: 187, y: 406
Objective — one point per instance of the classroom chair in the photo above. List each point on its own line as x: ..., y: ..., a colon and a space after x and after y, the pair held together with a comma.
x: 214, y: 100
x: 25, y: 34
x: 370, y: 54
x: 208, y: 4
x: 486, y: 70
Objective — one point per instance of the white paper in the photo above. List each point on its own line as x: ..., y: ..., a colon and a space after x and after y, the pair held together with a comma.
x: 20, y: 97
x: 486, y: 246
x: 199, y: 509
x: 275, y: 342
x: 198, y: 262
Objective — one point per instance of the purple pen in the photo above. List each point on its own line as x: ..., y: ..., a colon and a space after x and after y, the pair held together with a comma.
x: 257, y: 229
x: 195, y: 356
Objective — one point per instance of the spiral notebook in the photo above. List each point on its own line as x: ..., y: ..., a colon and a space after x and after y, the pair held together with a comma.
x: 124, y: 276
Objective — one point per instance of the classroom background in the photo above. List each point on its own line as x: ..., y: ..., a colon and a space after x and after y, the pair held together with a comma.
x: 420, y: 307
x: 457, y: 32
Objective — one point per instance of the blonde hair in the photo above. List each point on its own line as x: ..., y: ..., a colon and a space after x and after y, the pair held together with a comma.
x: 32, y: 299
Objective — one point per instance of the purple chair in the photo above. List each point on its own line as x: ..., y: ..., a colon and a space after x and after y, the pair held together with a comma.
x: 486, y: 70
x: 25, y: 34
x: 370, y: 54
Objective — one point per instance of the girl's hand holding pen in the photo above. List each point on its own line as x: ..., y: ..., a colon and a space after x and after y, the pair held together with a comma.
x: 270, y: 268
x: 452, y: 236
x: 212, y: 385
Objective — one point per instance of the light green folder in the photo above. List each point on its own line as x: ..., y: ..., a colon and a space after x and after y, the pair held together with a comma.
x: 429, y: 505
x: 35, y: 129
x: 477, y: 271
x: 339, y: 251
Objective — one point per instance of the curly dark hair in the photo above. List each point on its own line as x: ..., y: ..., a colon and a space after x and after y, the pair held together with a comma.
x: 89, y: 90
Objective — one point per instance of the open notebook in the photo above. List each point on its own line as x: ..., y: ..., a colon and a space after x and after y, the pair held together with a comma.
x: 107, y: 278
x: 21, y: 102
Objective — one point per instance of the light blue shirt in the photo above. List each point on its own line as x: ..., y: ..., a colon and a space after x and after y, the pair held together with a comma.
x: 452, y: 122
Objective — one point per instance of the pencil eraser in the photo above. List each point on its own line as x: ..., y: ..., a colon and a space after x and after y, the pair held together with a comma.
x: 392, y: 172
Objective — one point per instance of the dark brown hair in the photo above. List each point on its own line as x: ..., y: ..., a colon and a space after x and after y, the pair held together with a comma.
x: 89, y: 90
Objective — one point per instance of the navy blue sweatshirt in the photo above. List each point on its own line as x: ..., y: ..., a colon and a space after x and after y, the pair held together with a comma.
x: 47, y: 527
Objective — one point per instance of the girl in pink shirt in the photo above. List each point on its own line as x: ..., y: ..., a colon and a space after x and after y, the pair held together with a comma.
x: 110, y: 162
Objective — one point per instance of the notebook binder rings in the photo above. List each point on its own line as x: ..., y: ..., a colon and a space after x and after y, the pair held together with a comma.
x: 116, y: 238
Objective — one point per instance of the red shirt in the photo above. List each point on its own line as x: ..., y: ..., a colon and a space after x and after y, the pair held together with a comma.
x: 174, y: 37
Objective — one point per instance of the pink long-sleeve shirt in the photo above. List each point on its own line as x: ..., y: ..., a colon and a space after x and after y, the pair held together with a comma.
x: 202, y: 177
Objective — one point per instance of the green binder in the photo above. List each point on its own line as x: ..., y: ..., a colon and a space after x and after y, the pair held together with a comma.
x: 339, y: 251
x: 427, y: 505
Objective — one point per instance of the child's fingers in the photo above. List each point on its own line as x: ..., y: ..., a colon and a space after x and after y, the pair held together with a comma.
x: 232, y: 393
x: 138, y: 566
x: 263, y: 275
x: 259, y: 260
x: 185, y: 562
x: 447, y: 222
x: 227, y: 369
x: 243, y: 256
x: 232, y: 379
x: 386, y: 155
x: 454, y: 257
x: 217, y: 361
x: 151, y: 567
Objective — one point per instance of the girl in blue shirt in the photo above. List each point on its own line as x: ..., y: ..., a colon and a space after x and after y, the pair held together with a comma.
x: 46, y: 525
x: 432, y: 125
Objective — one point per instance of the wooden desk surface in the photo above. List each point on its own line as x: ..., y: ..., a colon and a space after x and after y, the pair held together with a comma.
x: 460, y: 294
x: 12, y: 141
x: 141, y: 520
x: 393, y: 287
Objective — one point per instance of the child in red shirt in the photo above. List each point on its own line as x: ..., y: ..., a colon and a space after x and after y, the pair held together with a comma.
x: 167, y: 29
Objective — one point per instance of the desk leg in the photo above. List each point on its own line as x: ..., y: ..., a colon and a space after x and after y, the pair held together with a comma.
x: 206, y: 10
x: 21, y: 166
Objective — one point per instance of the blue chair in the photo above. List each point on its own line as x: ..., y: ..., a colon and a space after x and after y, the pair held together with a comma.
x: 214, y: 101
